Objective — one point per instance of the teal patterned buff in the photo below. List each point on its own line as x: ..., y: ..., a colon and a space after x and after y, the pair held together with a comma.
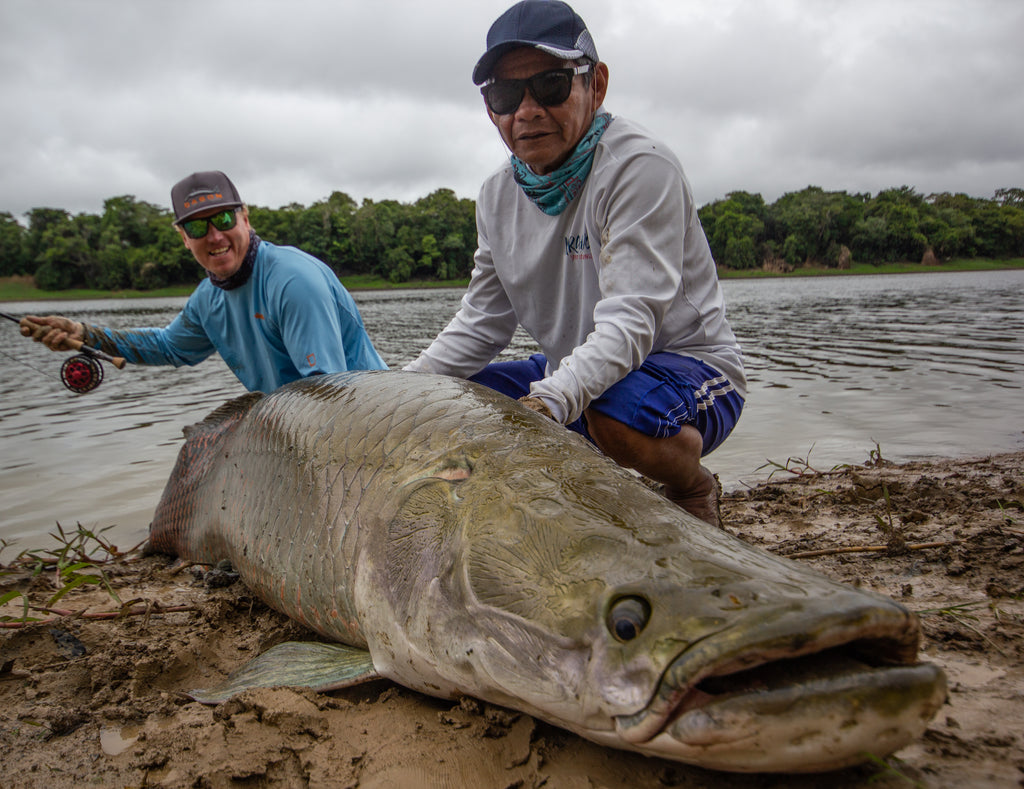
x: 554, y: 191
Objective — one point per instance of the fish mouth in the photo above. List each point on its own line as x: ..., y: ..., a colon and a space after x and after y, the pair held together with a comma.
x: 797, y: 704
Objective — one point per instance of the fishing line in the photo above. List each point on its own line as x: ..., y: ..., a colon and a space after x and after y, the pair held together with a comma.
x: 22, y: 361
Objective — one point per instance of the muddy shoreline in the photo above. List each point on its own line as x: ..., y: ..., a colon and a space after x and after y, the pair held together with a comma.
x: 98, y: 701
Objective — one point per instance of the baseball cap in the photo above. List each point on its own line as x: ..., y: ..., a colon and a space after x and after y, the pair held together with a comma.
x: 548, y: 25
x: 200, y: 192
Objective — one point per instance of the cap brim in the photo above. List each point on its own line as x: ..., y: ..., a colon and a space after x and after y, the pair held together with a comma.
x: 486, y: 64
x: 203, y: 209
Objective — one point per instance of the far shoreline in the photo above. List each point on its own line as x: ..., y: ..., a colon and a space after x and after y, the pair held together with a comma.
x: 21, y: 288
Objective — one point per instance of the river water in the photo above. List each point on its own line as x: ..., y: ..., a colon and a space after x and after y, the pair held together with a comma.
x: 839, y: 367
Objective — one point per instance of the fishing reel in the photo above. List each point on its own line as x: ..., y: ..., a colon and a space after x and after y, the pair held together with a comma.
x: 81, y: 373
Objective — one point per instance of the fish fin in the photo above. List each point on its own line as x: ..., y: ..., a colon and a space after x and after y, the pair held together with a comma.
x: 303, y: 664
x: 225, y: 415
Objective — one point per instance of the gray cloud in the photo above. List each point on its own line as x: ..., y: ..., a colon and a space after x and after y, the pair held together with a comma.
x: 296, y: 100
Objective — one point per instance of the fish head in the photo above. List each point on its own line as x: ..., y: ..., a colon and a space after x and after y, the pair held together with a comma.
x: 566, y: 587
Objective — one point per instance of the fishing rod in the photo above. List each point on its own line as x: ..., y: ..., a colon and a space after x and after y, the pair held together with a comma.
x: 83, y: 372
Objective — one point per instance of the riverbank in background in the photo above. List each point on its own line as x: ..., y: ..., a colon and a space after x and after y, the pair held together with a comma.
x: 860, y: 269
x: 22, y: 288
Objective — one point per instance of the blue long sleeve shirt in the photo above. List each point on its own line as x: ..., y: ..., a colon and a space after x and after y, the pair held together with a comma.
x: 292, y: 319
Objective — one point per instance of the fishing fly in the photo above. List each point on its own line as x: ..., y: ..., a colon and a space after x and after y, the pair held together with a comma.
x: 82, y: 372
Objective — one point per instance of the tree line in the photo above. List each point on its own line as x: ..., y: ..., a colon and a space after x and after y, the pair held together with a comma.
x: 132, y: 244
x: 831, y: 229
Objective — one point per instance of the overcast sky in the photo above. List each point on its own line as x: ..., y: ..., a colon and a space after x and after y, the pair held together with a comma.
x: 295, y: 99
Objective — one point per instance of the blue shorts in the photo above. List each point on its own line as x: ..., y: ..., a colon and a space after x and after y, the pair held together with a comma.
x: 665, y: 393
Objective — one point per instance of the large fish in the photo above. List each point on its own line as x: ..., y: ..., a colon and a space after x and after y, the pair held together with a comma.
x: 459, y: 544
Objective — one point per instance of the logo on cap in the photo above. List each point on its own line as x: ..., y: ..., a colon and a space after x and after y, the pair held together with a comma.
x: 196, y: 198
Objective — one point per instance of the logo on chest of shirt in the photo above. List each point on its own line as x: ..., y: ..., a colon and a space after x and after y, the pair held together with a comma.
x: 577, y: 248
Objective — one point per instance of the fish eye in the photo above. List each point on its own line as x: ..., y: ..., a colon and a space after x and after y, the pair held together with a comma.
x: 627, y: 617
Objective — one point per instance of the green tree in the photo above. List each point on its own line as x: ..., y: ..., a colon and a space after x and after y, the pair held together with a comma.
x: 812, y: 224
x: 891, y: 229
x: 12, y: 246
x: 269, y: 223
x: 133, y: 223
x: 398, y: 263
x: 113, y: 270
x: 64, y: 258
x: 456, y: 258
x: 442, y: 215
x: 740, y: 253
x: 41, y: 221
x: 735, y: 229
x: 326, y: 230
x: 1010, y: 196
x: 1000, y: 230
x: 949, y: 225
x: 68, y: 258
x: 431, y: 262
x: 374, y: 231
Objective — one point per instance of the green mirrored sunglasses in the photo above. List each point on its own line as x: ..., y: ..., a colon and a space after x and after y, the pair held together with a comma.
x: 198, y: 228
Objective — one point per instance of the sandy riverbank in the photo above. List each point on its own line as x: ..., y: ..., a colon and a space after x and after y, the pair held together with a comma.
x: 96, y: 702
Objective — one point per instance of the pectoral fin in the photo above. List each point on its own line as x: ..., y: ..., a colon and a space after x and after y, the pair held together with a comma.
x: 296, y: 664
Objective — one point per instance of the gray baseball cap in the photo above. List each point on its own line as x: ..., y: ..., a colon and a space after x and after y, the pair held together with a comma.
x: 200, y: 192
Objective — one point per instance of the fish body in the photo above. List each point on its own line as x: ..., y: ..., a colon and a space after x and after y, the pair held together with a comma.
x: 460, y: 544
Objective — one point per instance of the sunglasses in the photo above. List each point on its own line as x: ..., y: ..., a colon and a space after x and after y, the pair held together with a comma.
x: 198, y: 228
x: 549, y: 89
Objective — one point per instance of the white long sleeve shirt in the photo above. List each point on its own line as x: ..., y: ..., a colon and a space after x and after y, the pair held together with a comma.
x: 624, y: 271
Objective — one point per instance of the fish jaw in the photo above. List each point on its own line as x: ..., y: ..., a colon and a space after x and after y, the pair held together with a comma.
x: 850, y: 692
x: 813, y: 726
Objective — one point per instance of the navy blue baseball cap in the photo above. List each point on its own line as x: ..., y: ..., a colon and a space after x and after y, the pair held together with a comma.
x: 548, y: 25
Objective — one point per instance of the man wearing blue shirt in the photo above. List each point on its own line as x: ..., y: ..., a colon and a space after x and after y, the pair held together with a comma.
x: 275, y: 314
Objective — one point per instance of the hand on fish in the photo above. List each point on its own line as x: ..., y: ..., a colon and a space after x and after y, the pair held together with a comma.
x: 538, y: 405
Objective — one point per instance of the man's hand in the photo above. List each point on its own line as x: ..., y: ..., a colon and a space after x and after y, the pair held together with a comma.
x: 52, y: 331
x: 536, y: 404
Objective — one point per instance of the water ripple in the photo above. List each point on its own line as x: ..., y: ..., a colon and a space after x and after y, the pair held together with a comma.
x: 929, y: 364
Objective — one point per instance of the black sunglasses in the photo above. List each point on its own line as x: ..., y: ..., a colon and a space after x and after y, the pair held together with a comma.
x: 198, y: 228
x: 549, y: 89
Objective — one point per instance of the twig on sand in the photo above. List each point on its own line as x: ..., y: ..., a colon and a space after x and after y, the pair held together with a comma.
x: 912, y: 546
x: 140, y: 610
x: 957, y: 614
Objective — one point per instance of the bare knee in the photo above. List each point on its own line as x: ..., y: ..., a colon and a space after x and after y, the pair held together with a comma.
x: 673, y: 459
x: 615, y: 439
x: 690, y: 441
